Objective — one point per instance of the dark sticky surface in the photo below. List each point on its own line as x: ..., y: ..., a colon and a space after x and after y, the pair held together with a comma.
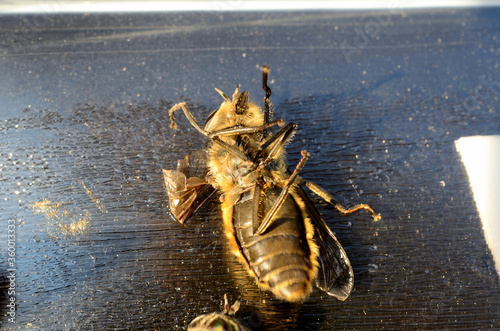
x: 379, y: 98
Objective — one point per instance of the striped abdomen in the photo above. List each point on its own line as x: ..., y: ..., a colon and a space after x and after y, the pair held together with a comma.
x: 283, y: 258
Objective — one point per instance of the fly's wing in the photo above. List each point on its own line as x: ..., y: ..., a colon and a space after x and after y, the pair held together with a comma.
x: 335, y: 275
x: 188, y: 194
x: 194, y: 164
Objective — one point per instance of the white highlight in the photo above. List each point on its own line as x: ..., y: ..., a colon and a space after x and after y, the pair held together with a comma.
x: 57, y: 7
x: 481, y: 157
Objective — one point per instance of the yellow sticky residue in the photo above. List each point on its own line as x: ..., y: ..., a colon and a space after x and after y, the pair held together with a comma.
x: 46, y: 207
x: 67, y: 222
x: 92, y: 198
x: 76, y: 226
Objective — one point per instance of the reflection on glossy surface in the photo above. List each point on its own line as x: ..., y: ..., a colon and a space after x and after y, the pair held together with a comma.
x: 482, y: 162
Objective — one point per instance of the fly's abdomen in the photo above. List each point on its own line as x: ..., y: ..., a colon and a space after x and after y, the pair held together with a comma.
x: 281, y: 257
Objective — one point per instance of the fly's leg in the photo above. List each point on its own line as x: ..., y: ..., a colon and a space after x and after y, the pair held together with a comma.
x: 255, y: 206
x: 244, y: 130
x: 271, y: 147
x: 268, y: 108
x: 281, y: 198
x: 223, y: 95
x: 173, y: 124
x: 331, y: 200
x: 215, y: 135
x: 189, y: 115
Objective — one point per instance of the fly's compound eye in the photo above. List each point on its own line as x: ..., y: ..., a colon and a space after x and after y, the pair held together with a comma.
x: 241, y: 104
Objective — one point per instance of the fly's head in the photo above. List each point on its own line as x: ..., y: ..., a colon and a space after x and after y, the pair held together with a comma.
x: 233, y: 113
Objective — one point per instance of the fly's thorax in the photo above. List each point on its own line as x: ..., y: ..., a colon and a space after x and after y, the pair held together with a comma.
x: 228, y: 171
x: 252, y: 117
x: 245, y: 174
x: 220, y: 164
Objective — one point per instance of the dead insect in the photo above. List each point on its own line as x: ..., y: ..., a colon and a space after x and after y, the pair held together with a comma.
x: 271, y: 224
x: 219, y: 321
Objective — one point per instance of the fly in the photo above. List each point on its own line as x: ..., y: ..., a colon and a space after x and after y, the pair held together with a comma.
x: 271, y: 224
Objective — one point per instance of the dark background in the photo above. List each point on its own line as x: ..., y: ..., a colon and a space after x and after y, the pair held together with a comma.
x: 380, y: 98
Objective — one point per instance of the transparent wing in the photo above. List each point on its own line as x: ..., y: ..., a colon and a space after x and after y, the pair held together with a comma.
x: 335, y: 275
x: 194, y: 164
x: 187, y: 194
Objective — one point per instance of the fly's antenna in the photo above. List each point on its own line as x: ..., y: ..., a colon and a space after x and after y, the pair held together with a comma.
x: 268, y: 109
x: 223, y: 95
